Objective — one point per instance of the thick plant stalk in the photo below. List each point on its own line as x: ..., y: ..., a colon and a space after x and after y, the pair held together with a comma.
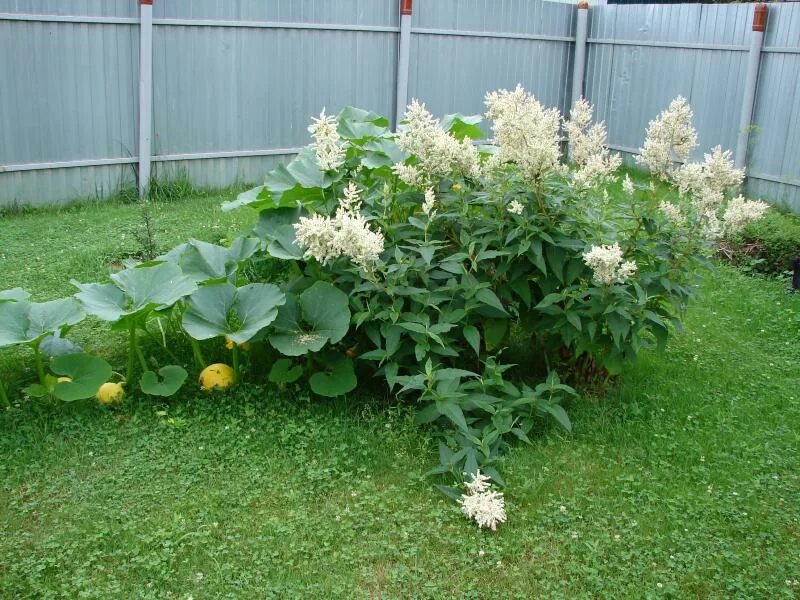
x: 131, y: 352
x: 198, y: 355
x: 37, y: 357
x: 235, y: 363
x: 3, y: 396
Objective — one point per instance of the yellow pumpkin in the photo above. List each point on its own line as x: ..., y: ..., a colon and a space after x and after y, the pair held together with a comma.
x: 110, y: 393
x: 217, y: 376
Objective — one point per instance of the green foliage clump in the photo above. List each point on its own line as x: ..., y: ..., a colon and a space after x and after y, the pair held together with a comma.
x: 766, y: 246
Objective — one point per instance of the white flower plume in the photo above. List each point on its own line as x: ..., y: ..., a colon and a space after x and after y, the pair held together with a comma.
x: 607, y: 264
x: 329, y: 150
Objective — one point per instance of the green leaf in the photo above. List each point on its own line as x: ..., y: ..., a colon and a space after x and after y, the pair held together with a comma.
x: 283, y: 245
x: 201, y: 261
x: 338, y: 378
x: 453, y: 411
x: 463, y: 126
x: 560, y: 415
x: 473, y: 337
x: 494, y: 330
x: 87, y: 372
x: 236, y: 313
x: 489, y: 298
x: 135, y: 291
x: 168, y: 381
x: 24, y: 322
x: 321, y: 314
x: 285, y: 371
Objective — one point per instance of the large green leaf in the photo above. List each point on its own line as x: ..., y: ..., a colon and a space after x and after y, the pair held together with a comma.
x: 337, y: 379
x: 135, y: 291
x: 87, y: 372
x: 24, y: 322
x: 201, y: 261
x: 166, y: 383
x: 237, y: 313
x: 461, y: 126
x: 301, y: 182
x: 285, y: 371
x: 306, y: 323
x: 14, y: 295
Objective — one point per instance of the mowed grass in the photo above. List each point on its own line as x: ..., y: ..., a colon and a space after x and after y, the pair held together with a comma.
x: 682, y: 482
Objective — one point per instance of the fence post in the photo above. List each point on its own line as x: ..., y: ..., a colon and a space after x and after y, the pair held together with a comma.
x: 403, y: 60
x: 145, y: 92
x: 579, y: 61
x: 750, y: 84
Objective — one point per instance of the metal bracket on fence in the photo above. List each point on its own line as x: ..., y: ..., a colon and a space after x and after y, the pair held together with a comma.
x: 404, y: 52
x: 579, y: 60
x: 145, y: 92
x: 750, y: 84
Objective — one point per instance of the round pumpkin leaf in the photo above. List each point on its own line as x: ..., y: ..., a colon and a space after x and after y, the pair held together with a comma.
x: 282, y: 371
x: 337, y: 379
x: 87, y: 372
x: 239, y: 314
x: 319, y: 315
x: 166, y: 383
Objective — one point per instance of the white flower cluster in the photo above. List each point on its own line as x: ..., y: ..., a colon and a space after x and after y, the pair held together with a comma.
x: 672, y: 212
x: 485, y: 507
x: 587, y: 147
x: 515, y: 207
x: 740, y: 212
x: 627, y: 185
x: 329, y: 150
x: 347, y: 233
x: 439, y: 153
x: 670, y: 138
x: 525, y: 133
x: 429, y: 203
x: 607, y: 264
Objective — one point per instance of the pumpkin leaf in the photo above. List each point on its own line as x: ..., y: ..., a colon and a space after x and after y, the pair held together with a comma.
x: 87, y: 372
x: 166, y: 383
x: 337, y: 379
x: 239, y: 314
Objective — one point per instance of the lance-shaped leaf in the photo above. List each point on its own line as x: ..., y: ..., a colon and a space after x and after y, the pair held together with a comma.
x: 307, y: 322
x: 135, y: 292
x: 168, y: 380
x: 337, y: 379
x: 87, y: 373
x: 201, y: 261
x: 23, y: 322
x: 237, y: 313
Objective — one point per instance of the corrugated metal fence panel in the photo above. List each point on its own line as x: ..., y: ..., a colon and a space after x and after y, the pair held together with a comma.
x: 69, y: 94
x: 249, y: 86
x: 91, y: 8
x: 632, y: 76
x: 776, y: 134
x: 453, y: 72
x: 350, y: 12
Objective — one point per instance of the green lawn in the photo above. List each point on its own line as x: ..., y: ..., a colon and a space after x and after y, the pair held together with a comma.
x: 682, y: 482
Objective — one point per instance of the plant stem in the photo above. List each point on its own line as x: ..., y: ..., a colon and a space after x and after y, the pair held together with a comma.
x: 139, y: 353
x: 131, y: 351
x: 235, y: 363
x: 198, y: 355
x: 3, y: 396
x: 37, y: 356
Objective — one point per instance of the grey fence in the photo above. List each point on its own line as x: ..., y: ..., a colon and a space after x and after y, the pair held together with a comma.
x: 235, y: 81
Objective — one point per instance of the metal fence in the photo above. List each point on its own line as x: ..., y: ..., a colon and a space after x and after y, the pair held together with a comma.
x: 234, y: 82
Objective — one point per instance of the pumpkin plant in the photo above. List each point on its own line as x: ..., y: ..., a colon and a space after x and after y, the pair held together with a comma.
x: 134, y: 296
x: 23, y: 322
x: 238, y: 314
x: 308, y: 321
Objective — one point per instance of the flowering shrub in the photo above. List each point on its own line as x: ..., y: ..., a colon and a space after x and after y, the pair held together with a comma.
x: 438, y: 264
